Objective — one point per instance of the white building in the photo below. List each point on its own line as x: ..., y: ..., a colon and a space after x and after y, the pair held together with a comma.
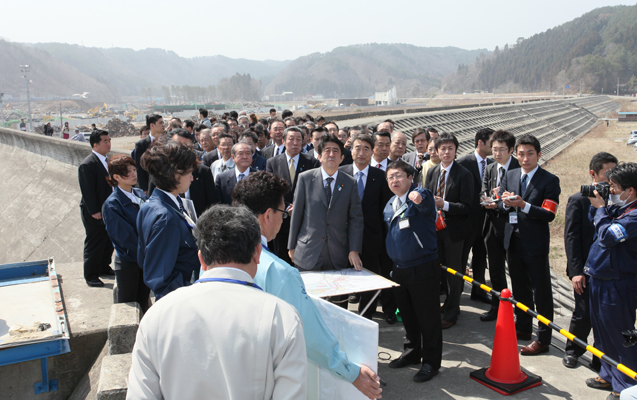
x: 387, y: 98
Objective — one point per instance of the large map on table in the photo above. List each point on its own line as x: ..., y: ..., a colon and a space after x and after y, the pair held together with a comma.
x: 345, y: 281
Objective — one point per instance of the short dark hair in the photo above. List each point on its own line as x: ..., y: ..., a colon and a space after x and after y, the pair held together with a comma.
x: 292, y: 129
x: 260, y: 191
x: 601, y: 158
x: 528, y: 139
x: 320, y: 118
x: 273, y: 120
x: 391, y: 121
x: 383, y: 134
x: 329, y: 138
x: 333, y: 123
x: 227, y: 234
x: 181, y: 132
x: 189, y: 124
x: 624, y: 174
x: 259, y: 129
x: 118, y: 165
x: 432, y: 129
x: 505, y: 137
x: 273, y: 109
x: 165, y: 159
x: 143, y: 129
x: 364, y: 138
x: 401, y: 165
x: 200, y: 127
x: 482, y: 134
x: 447, y: 138
x: 203, y: 112
x: 320, y: 130
x: 226, y: 135
x: 357, y: 128
x: 96, y: 136
x: 220, y: 125
x: 234, y: 114
x: 152, y: 119
x: 289, y: 119
x: 174, y: 124
x: 249, y: 133
x: 286, y: 113
x: 419, y: 132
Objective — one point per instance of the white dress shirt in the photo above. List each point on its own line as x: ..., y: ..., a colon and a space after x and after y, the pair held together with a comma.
x: 132, y: 197
x: 280, y: 150
x: 365, y: 172
x: 171, y: 196
x: 506, y: 168
x: 325, y: 176
x: 527, y: 206
x: 445, y: 207
x: 245, y: 173
x: 295, y: 158
x: 479, y: 160
x: 383, y: 164
x: 102, y: 159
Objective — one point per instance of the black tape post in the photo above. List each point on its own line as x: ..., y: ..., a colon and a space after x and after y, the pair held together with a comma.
x: 597, y: 353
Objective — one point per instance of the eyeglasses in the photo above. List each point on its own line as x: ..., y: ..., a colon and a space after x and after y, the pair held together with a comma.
x: 500, y: 150
x: 397, y: 177
x: 285, y: 213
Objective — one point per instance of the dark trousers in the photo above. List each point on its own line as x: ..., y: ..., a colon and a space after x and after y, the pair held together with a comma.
x: 475, y: 244
x: 497, y: 255
x: 386, y: 297
x: 612, y: 307
x: 531, y: 284
x: 130, y: 284
x: 419, y: 303
x: 580, y: 322
x: 98, y: 249
x: 280, y: 242
x: 450, y: 255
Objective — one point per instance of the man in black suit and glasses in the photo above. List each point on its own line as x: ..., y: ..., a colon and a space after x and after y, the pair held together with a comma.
x: 156, y: 125
x: 92, y: 174
x: 530, y: 197
x: 452, y: 186
x: 502, y: 145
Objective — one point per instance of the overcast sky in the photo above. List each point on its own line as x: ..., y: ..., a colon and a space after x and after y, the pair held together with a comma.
x: 287, y: 29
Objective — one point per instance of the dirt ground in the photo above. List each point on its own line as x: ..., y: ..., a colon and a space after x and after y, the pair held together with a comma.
x: 571, y: 166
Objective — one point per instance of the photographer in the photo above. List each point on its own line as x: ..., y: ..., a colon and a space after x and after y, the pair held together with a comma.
x: 578, y: 239
x: 612, y: 268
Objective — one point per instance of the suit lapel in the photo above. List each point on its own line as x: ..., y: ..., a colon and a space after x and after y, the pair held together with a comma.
x: 318, y: 181
x: 338, y: 186
x: 531, y: 185
x: 98, y: 161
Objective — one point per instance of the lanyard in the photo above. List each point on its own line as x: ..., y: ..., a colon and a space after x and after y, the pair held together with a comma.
x: 265, y: 247
x: 254, y: 285
x: 629, y: 209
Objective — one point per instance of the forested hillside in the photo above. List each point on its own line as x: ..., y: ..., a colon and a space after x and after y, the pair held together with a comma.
x: 593, y: 50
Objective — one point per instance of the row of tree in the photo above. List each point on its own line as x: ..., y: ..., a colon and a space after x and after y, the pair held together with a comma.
x: 236, y: 88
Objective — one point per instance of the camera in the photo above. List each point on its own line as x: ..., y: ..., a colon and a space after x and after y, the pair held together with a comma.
x: 603, y: 188
x: 630, y: 336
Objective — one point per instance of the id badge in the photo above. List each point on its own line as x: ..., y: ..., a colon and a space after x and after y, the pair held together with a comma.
x: 403, y: 223
x: 513, y: 218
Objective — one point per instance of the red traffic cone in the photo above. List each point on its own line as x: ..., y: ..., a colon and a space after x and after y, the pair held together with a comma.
x: 504, y: 375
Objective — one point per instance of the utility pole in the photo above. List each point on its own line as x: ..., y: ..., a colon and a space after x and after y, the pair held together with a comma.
x: 1, y: 111
x: 25, y: 70
x: 617, y: 86
x: 60, y: 106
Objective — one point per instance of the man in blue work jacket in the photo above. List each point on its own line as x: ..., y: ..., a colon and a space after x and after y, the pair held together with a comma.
x: 612, y: 267
x: 263, y: 193
x: 412, y: 245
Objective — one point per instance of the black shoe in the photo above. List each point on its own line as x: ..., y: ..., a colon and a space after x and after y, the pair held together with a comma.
x: 483, y: 297
x: 426, y: 373
x: 391, y: 319
x: 598, y: 383
x: 107, y: 272
x: 402, y: 363
x: 492, y: 315
x: 613, y: 396
x: 569, y: 361
x: 523, y: 335
x: 353, y: 299
x: 95, y: 283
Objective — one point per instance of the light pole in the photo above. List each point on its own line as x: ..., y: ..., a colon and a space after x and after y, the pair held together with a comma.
x: 25, y: 70
x: 1, y: 111
x: 59, y: 101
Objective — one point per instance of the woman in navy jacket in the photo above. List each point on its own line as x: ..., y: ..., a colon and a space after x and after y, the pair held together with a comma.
x: 167, y: 251
x: 120, y: 217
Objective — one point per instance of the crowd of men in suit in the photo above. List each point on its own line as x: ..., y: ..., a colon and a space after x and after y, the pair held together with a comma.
x: 346, y: 193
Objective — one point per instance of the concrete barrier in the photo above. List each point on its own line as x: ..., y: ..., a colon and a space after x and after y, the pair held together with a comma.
x: 122, y: 327
x: 114, y: 377
x: 66, y: 151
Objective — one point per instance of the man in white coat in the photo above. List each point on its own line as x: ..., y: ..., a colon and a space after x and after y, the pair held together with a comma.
x: 223, y: 337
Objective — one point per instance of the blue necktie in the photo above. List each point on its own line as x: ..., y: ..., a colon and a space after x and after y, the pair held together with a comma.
x: 328, y: 190
x: 361, y: 187
x: 181, y: 205
x: 523, y: 185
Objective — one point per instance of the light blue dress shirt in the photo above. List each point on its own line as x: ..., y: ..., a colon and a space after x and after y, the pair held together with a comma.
x: 280, y: 279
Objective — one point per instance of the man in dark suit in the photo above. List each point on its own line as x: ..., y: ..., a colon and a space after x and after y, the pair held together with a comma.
x: 578, y: 238
x: 92, y: 174
x: 326, y: 231
x: 277, y: 127
x: 333, y: 129
x: 374, y: 194
x: 530, y: 196
x: 212, y: 154
x: 315, y: 139
x: 502, y: 145
x: 156, y: 125
x: 452, y: 186
x: 249, y: 137
x: 226, y: 181
x: 420, y: 139
x: 289, y: 166
x: 476, y: 163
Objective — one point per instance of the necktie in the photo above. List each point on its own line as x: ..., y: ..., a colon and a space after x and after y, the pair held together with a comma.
x: 181, y: 205
x: 419, y: 159
x: 328, y: 190
x: 241, y: 176
x: 292, y: 170
x: 441, y: 185
x: 500, y: 175
x: 482, y: 165
x: 361, y: 187
x: 397, y: 204
x: 223, y: 167
x: 379, y: 166
x: 278, y: 150
x: 523, y: 185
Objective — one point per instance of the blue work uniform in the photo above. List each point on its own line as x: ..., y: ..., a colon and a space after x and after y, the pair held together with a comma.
x: 278, y: 278
x: 612, y: 267
x: 167, y: 251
